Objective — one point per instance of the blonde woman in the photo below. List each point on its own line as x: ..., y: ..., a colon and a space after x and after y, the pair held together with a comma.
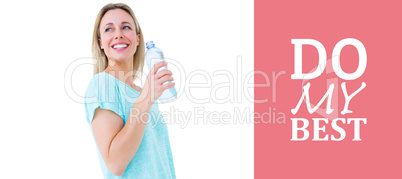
x: 130, y: 134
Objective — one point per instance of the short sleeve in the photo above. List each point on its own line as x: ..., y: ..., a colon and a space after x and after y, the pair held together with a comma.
x: 102, y: 92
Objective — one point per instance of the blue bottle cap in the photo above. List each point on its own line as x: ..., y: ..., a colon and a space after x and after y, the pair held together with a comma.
x: 150, y: 44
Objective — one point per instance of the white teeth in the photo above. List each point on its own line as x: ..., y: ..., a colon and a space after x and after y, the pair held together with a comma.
x: 120, y: 46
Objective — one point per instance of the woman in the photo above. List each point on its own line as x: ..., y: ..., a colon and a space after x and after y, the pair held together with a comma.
x: 131, y: 137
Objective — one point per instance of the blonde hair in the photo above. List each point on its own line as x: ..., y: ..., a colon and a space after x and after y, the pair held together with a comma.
x: 101, y: 61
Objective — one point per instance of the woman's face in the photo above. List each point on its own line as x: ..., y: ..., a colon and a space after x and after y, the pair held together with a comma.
x: 118, y: 35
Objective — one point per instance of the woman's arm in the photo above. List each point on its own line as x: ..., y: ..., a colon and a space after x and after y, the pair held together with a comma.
x: 117, y: 143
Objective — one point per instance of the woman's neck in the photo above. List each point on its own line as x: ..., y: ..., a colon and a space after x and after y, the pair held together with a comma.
x: 122, y: 71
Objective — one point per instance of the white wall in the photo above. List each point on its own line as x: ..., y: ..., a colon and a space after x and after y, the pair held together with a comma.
x: 43, y: 131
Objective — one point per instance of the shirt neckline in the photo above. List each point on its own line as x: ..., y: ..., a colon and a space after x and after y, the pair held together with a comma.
x: 122, y: 82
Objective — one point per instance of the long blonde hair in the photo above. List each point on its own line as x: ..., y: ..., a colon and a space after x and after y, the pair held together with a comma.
x: 101, y: 61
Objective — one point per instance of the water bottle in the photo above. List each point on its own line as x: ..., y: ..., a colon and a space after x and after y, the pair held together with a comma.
x: 153, y: 56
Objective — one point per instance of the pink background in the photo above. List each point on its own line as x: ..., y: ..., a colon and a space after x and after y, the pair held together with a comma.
x: 379, y: 27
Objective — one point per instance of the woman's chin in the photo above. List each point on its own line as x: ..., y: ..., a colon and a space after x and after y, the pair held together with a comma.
x: 122, y: 57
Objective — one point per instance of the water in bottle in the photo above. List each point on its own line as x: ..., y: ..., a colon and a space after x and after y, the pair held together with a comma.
x: 153, y: 56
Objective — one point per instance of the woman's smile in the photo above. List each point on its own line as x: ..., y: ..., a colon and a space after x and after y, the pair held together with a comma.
x: 120, y: 46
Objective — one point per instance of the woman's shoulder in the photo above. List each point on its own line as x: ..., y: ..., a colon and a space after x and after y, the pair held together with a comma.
x: 103, y: 78
x: 98, y: 77
x: 101, y: 82
x: 101, y: 92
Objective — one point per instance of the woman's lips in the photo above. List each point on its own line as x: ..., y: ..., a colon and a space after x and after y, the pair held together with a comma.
x: 120, y: 47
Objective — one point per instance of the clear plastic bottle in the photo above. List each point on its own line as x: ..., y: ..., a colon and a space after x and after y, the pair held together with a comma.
x: 155, y: 55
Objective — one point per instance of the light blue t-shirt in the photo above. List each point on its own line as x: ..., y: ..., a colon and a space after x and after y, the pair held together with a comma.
x: 153, y: 159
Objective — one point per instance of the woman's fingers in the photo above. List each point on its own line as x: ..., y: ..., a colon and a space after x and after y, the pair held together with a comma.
x: 156, y: 67
x: 162, y: 73
x: 168, y: 85
x: 156, y: 80
x: 165, y: 79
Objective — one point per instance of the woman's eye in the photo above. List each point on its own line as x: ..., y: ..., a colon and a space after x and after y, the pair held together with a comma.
x: 126, y: 27
x: 108, y: 29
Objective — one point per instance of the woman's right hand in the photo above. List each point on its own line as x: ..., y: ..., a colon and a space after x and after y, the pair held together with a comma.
x: 154, y: 87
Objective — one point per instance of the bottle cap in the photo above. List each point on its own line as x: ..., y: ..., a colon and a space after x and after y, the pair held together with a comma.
x: 150, y: 44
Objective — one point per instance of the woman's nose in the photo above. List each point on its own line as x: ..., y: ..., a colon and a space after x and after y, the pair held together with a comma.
x: 118, y: 34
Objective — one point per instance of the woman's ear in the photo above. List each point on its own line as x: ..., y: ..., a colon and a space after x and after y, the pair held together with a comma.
x: 138, y: 39
x: 100, y: 43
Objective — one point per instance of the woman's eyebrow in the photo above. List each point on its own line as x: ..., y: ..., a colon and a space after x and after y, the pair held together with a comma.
x: 110, y: 23
x: 124, y: 22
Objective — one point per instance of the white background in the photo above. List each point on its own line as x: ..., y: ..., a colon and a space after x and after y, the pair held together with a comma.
x: 43, y: 131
